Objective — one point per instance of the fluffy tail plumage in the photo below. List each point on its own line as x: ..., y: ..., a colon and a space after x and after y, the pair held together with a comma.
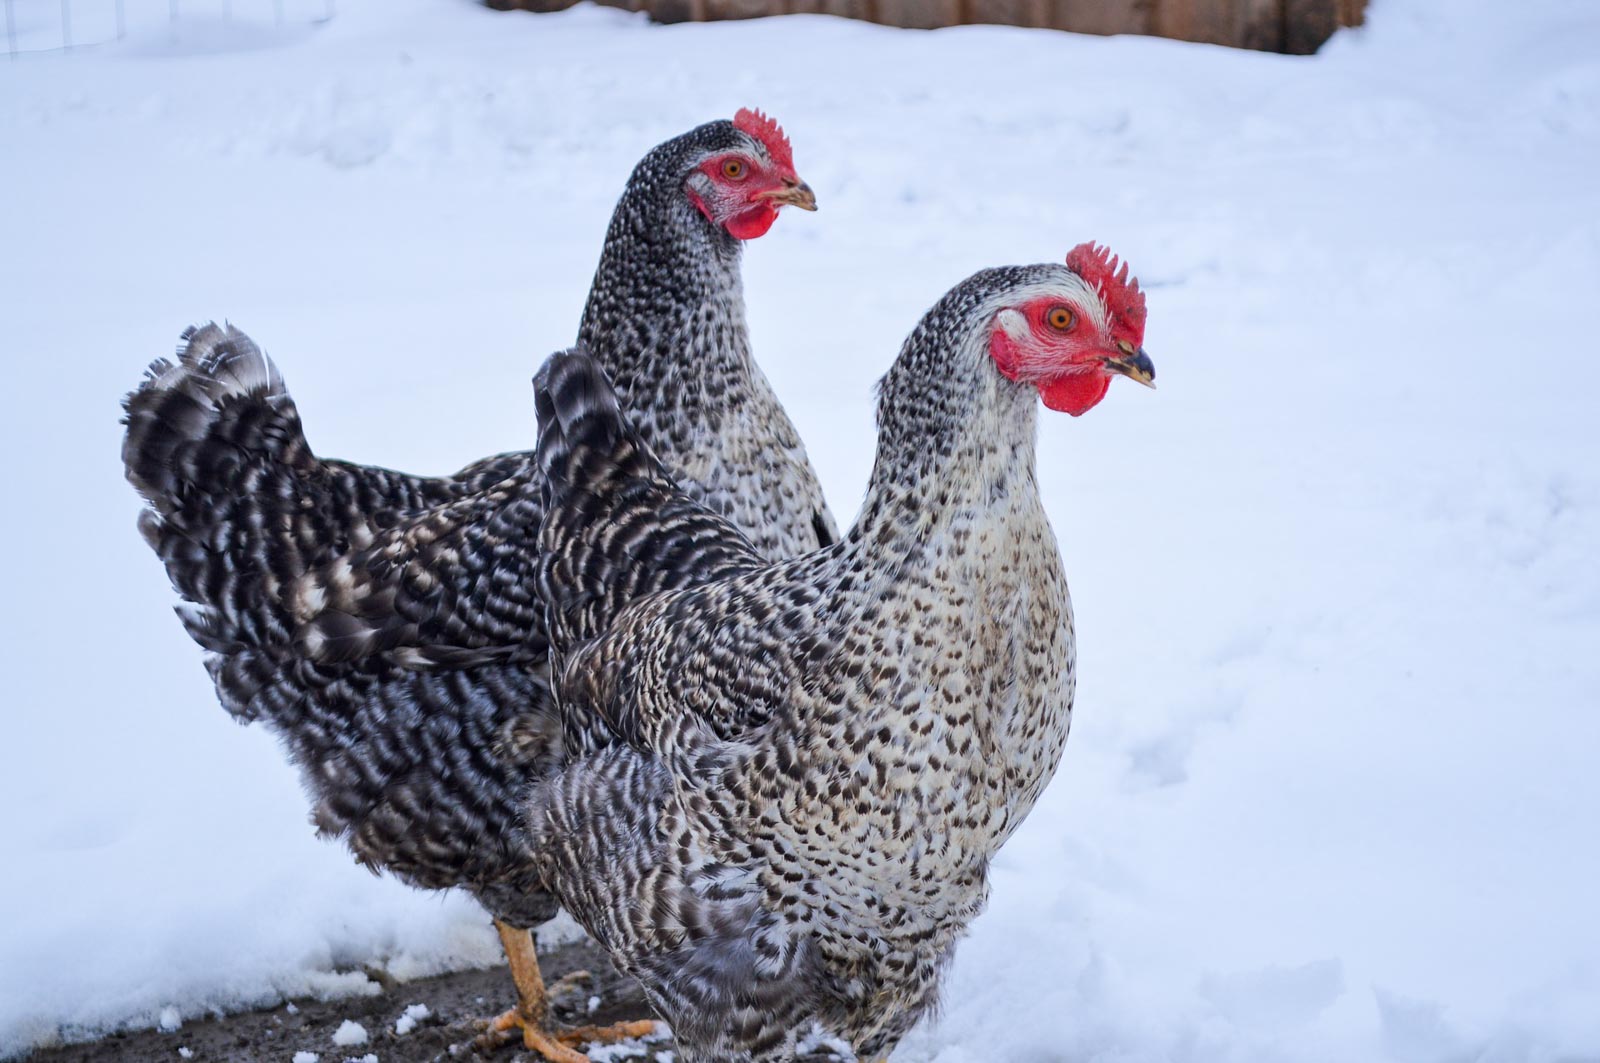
x: 240, y: 507
x: 214, y: 445
x: 616, y: 526
x: 584, y: 435
x: 420, y: 770
x: 221, y: 390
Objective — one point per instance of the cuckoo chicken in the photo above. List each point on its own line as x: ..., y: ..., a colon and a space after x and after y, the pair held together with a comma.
x: 416, y: 704
x: 786, y: 779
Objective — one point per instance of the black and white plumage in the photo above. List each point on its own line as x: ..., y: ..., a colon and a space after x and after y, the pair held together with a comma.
x: 384, y: 625
x: 789, y: 777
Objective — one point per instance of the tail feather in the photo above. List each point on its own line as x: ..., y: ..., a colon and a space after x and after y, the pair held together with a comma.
x: 584, y: 435
x: 185, y: 408
x: 215, y: 447
x: 194, y: 439
x: 421, y: 772
x: 616, y: 526
x: 240, y: 507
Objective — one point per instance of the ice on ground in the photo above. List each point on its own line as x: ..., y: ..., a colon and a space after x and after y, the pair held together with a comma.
x: 306, y: 1057
x: 350, y: 1033
x: 1330, y: 789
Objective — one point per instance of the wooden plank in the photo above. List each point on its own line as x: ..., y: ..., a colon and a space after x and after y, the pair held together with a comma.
x: 530, y: 5
x: 918, y: 14
x: 859, y: 9
x: 733, y: 9
x: 1307, y: 24
x: 1104, y: 17
x: 671, y: 11
x: 1258, y: 24
x: 1008, y: 12
x: 1204, y: 21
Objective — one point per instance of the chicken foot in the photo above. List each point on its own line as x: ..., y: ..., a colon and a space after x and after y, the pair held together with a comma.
x: 532, y: 1013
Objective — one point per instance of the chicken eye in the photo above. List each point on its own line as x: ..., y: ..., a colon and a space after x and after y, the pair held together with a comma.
x: 1061, y: 318
x: 734, y: 170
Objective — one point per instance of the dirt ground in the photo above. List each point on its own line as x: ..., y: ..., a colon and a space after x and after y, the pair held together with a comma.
x: 455, y: 1000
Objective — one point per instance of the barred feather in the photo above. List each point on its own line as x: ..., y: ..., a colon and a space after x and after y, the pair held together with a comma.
x: 386, y: 625
x: 817, y: 756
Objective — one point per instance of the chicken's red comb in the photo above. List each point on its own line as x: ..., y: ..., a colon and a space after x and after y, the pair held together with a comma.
x: 768, y: 132
x: 1122, y: 296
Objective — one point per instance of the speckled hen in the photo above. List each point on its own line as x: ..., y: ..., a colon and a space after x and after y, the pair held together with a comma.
x: 789, y: 778
x: 380, y: 623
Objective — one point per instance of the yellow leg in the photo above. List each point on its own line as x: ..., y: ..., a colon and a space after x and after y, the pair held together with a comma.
x: 606, y: 1035
x: 532, y: 1013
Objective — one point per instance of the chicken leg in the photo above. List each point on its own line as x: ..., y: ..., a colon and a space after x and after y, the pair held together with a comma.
x: 532, y: 1013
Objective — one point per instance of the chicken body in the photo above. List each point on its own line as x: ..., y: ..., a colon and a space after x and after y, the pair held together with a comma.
x: 375, y: 620
x: 795, y: 774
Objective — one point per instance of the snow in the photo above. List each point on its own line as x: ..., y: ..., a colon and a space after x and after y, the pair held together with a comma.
x: 169, y: 1021
x: 1330, y: 793
x: 408, y: 1020
x: 305, y: 1057
x: 350, y: 1033
x: 633, y: 1048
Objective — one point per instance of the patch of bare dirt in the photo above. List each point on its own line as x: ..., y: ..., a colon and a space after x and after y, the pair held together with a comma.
x: 457, y: 1003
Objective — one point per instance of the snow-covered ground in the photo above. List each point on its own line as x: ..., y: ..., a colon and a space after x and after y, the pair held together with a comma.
x: 1332, y: 790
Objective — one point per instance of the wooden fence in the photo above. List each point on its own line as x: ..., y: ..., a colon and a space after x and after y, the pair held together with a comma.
x: 1295, y: 26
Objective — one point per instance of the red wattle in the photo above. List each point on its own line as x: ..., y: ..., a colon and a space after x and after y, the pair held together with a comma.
x: 753, y: 222
x: 1075, y: 393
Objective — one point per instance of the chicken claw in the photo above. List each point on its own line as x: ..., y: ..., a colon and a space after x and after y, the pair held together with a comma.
x: 532, y: 1013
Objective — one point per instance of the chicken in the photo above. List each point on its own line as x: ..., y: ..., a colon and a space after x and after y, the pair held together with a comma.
x: 416, y: 704
x: 788, y: 778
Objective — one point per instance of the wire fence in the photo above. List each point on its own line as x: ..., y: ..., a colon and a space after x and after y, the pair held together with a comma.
x: 37, y: 27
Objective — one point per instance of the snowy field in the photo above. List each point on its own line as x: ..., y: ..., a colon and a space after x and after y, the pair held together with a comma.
x: 1332, y: 791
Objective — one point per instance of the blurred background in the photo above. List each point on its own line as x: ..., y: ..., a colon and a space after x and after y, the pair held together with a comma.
x: 1293, y: 26
x: 1330, y: 793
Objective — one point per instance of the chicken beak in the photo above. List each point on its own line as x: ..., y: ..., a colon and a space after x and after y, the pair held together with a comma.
x: 1133, y: 363
x: 794, y: 193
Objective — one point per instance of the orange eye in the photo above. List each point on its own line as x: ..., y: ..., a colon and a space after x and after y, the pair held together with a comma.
x: 734, y: 170
x: 1061, y: 318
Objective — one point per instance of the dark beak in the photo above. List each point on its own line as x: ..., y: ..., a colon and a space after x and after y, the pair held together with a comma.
x: 794, y: 193
x: 1133, y: 363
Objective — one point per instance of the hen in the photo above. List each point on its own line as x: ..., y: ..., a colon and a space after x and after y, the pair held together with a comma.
x: 374, y: 619
x: 790, y: 777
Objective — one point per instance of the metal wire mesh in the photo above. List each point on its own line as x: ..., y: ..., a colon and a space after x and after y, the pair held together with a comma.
x: 36, y: 27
